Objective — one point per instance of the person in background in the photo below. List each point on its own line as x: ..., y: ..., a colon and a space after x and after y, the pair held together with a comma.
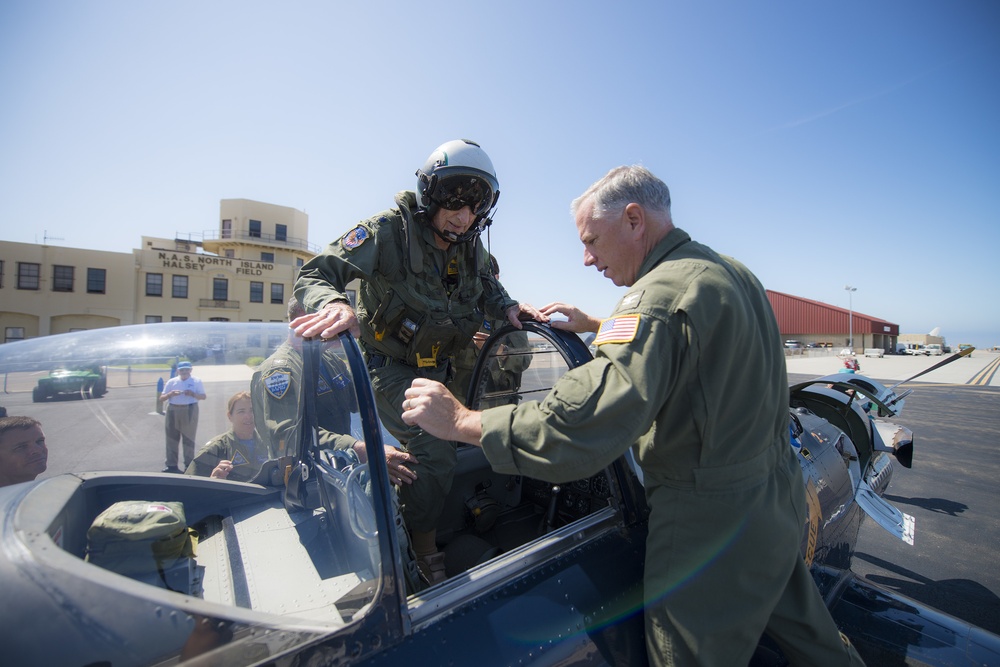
x: 426, y: 288
x: 23, y: 454
x: 503, y: 374
x: 181, y: 393
x: 690, y: 374
x: 275, y: 388
x: 237, y: 454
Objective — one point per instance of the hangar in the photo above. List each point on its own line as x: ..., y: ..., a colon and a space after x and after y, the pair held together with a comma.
x: 814, y: 323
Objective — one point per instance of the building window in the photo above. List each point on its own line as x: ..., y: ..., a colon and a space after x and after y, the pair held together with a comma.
x: 11, y: 334
x: 179, y: 289
x: 277, y: 293
x: 1, y: 273
x: 220, y: 289
x: 299, y: 262
x: 218, y: 319
x: 62, y: 278
x: 267, y: 257
x: 96, y: 280
x: 227, y: 229
x: 256, y: 292
x: 28, y: 274
x: 154, y: 319
x: 255, y: 229
x: 230, y: 253
x: 281, y: 233
x: 178, y: 318
x: 154, y: 284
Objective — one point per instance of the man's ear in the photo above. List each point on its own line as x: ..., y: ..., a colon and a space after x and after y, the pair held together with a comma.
x: 635, y: 218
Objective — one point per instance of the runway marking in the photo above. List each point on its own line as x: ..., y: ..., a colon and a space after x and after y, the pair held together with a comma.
x: 985, y: 376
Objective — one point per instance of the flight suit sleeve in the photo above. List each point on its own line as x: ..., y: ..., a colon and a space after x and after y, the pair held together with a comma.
x: 324, y: 278
x: 496, y: 301
x: 208, y: 457
x: 593, y: 414
x: 331, y: 440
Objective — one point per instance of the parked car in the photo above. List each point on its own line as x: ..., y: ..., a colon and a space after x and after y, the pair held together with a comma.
x: 88, y: 381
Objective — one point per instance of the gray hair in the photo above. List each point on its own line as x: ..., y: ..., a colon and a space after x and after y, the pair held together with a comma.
x: 622, y: 186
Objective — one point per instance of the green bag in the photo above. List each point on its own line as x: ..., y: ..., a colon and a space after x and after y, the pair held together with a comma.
x: 137, y: 537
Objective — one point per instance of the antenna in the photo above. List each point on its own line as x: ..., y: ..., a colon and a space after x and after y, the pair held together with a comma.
x: 46, y: 238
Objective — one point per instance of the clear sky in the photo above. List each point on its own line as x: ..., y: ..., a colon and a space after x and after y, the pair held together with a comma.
x: 821, y: 143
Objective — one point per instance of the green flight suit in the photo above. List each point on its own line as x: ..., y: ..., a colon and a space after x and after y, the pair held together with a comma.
x: 690, y: 372
x: 274, y: 389
x: 418, y: 306
x: 247, y: 458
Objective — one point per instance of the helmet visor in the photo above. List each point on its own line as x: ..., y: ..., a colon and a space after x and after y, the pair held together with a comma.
x: 455, y: 192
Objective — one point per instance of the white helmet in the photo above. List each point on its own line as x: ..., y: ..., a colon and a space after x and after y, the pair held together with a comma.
x: 458, y: 173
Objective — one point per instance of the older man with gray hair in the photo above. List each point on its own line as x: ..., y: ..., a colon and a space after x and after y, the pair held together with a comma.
x: 690, y: 374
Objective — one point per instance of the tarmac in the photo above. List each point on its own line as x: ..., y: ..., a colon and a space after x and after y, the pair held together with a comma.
x: 979, y: 369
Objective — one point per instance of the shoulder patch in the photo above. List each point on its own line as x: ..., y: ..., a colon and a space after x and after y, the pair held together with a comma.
x: 277, y: 382
x: 239, y: 459
x: 621, y: 329
x: 355, y: 237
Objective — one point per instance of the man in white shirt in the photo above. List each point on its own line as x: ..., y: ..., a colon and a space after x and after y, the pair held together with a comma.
x: 182, y: 393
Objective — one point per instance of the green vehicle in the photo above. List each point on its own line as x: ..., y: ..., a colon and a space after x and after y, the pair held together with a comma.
x: 88, y: 381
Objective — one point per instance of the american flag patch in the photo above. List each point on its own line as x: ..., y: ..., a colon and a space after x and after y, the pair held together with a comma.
x: 620, y: 329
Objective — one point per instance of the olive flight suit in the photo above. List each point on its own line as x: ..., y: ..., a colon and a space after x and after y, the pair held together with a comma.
x: 418, y: 307
x: 690, y: 372
x: 275, y: 392
x: 247, y: 458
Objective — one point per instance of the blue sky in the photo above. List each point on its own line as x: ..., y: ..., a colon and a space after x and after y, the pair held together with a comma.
x: 820, y: 143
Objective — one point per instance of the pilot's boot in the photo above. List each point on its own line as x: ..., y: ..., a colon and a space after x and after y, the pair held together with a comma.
x: 431, y: 567
x: 430, y: 561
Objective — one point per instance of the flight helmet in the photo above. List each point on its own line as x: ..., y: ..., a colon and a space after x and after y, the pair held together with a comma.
x: 458, y: 173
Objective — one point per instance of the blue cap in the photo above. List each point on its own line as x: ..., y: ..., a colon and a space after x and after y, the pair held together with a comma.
x: 184, y: 364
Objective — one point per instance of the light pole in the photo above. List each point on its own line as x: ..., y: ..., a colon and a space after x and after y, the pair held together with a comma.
x: 850, y: 315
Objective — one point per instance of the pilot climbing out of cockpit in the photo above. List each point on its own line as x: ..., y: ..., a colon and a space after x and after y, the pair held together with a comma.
x: 426, y: 288
x: 690, y: 374
x: 275, y: 388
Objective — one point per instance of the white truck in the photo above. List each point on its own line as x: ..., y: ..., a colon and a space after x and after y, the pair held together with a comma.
x: 874, y: 352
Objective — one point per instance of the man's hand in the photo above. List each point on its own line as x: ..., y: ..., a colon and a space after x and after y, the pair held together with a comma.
x: 395, y: 460
x: 524, y: 311
x: 577, y: 321
x: 432, y: 407
x: 333, y: 318
x: 399, y: 474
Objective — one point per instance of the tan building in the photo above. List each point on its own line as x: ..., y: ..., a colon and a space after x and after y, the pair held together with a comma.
x: 241, y: 272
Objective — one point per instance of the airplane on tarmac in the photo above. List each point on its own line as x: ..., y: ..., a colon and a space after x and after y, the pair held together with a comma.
x: 111, y: 563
